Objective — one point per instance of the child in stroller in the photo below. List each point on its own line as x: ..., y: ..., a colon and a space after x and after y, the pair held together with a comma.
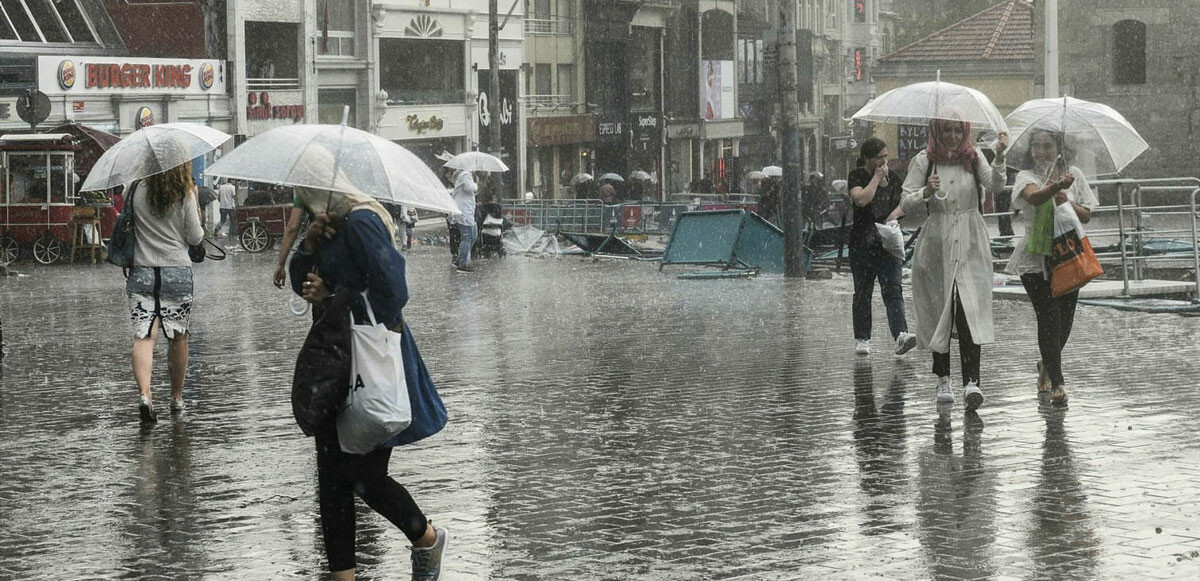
x: 490, y: 219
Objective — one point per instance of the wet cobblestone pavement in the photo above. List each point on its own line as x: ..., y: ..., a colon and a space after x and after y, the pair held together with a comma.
x: 607, y: 422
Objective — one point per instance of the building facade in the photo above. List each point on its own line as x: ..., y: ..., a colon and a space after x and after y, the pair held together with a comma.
x: 1140, y: 59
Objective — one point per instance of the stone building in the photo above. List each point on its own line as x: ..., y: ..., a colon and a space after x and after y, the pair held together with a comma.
x: 1142, y: 59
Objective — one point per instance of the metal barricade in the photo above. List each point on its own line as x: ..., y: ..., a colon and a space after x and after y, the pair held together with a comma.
x: 556, y: 215
x: 1132, y: 231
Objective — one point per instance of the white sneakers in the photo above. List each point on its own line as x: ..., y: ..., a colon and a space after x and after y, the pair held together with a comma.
x: 944, y: 393
x: 973, y: 395
x: 904, y: 343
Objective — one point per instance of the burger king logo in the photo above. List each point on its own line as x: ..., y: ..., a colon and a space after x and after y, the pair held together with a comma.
x: 145, y: 118
x: 66, y: 74
x: 207, y: 74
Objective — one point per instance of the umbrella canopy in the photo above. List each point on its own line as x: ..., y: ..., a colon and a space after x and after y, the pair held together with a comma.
x: 93, y: 142
x: 640, y: 175
x: 477, y: 161
x: 919, y: 103
x: 340, y: 159
x: 1088, y: 128
x: 580, y: 178
x: 755, y: 175
x: 611, y: 177
x: 152, y: 150
x: 773, y: 171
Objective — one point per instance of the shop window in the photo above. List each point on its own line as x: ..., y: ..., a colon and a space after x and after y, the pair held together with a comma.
x: 272, y: 60
x: 566, y: 80
x: 860, y: 10
x: 421, y: 71
x: 542, y: 79
x: 718, y: 42
x: 332, y: 102
x: 15, y: 11
x: 73, y: 17
x: 337, y: 28
x: 47, y: 20
x: 1129, y: 53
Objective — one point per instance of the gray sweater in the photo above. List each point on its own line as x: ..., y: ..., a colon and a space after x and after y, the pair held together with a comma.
x: 164, y: 241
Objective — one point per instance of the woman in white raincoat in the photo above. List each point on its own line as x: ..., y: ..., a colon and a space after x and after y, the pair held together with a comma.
x: 952, y: 262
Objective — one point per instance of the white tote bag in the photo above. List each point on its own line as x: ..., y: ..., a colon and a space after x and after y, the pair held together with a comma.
x: 378, y: 406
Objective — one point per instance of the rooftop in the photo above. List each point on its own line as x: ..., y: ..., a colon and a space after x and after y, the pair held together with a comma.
x: 1003, y: 32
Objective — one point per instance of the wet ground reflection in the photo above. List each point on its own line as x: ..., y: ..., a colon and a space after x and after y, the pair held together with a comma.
x: 607, y: 421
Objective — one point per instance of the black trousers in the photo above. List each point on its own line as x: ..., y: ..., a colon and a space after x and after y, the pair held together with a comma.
x: 968, y: 352
x: 1054, y: 320
x: 339, y: 477
x: 455, y: 238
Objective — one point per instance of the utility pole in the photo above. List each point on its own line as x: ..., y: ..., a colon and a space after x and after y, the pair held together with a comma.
x: 791, y: 218
x: 1051, y: 64
x: 494, y: 77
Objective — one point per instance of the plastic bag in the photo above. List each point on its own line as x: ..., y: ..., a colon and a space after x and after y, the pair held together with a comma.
x: 1072, y: 259
x: 378, y: 405
x: 892, y: 238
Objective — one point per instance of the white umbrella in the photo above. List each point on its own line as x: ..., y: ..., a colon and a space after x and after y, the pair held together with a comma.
x: 152, y: 150
x: 612, y: 177
x: 580, y: 178
x: 918, y: 103
x: 773, y: 171
x: 755, y: 175
x: 340, y: 159
x: 1089, y: 127
x: 640, y: 175
x: 477, y: 161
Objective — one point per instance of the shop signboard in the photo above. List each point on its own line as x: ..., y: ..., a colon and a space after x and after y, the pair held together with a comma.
x: 646, y: 128
x: 911, y: 140
x: 610, y: 127
x: 508, y: 113
x: 717, y: 79
x: 561, y: 130
x: 107, y: 75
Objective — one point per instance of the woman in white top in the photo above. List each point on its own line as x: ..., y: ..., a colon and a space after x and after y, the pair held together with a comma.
x: 952, y: 261
x: 1050, y: 180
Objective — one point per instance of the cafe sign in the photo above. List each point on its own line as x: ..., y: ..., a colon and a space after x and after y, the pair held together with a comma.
x: 259, y: 107
x: 419, y: 124
x: 561, y: 130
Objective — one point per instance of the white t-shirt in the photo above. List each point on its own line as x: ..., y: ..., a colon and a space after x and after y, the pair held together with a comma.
x: 227, y: 194
x: 1023, y: 262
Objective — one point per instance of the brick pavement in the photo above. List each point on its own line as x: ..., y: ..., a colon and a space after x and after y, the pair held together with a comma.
x: 608, y: 422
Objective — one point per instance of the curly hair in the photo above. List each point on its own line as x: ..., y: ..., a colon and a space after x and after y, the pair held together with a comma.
x: 168, y: 188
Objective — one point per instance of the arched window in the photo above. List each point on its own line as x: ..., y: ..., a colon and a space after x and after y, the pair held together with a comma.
x: 1129, y: 53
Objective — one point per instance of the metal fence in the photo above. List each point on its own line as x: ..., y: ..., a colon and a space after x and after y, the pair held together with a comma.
x: 556, y: 215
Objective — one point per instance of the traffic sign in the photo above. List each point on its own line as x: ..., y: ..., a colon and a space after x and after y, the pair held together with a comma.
x: 33, y: 107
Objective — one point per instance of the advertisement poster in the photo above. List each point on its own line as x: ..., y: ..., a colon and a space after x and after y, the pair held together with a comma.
x: 717, y: 80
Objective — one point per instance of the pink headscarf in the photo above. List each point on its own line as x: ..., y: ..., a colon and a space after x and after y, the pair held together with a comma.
x: 964, y: 154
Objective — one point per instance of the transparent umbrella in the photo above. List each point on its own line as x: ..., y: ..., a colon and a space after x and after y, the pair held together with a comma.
x: 152, y: 150
x: 640, y: 175
x: 611, y: 177
x: 477, y: 161
x: 755, y: 175
x: 773, y: 171
x: 919, y: 103
x: 580, y: 178
x: 1096, y: 130
x: 337, y: 158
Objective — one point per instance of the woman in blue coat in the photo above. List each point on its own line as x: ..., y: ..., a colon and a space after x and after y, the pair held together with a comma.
x: 349, y: 248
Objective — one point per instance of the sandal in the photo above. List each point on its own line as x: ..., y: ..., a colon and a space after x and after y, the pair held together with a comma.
x: 1043, y: 384
x: 1059, y: 396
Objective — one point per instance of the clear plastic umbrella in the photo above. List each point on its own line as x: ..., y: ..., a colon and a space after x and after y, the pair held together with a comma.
x: 755, y: 175
x: 340, y: 159
x: 773, y: 171
x: 640, y: 175
x: 919, y: 103
x: 477, y: 161
x: 1092, y: 129
x: 152, y: 150
x: 611, y: 177
x: 580, y: 178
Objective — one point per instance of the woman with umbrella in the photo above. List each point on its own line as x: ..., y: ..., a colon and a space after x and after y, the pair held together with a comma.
x: 1036, y: 192
x: 355, y: 235
x: 167, y: 220
x: 952, y: 261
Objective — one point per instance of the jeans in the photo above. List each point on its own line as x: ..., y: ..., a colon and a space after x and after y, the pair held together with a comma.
x: 226, y: 214
x: 467, y: 234
x: 867, y: 264
x: 339, y: 477
x: 1054, y: 319
x: 969, y: 353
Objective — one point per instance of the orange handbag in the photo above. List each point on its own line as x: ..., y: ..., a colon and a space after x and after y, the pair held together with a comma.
x: 1072, y: 259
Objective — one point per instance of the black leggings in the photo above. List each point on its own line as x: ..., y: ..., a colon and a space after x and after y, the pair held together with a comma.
x: 1054, y: 319
x: 968, y: 351
x: 339, y: 477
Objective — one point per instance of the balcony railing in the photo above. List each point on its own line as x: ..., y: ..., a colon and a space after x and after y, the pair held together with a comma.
x: 543, y: 103
x: 551, y: 26
x: 258, y: 84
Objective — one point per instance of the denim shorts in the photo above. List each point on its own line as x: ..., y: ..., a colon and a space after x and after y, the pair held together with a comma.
x: 162, y: 292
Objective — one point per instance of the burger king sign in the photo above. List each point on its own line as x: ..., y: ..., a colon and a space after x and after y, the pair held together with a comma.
x: 108, y: 75
x: 66, y: 74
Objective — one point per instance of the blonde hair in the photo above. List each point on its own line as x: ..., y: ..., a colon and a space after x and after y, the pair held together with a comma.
x: 168, y: 188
